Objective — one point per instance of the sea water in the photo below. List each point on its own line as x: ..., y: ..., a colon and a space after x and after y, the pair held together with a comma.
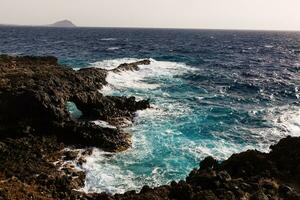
x: 212, y: 93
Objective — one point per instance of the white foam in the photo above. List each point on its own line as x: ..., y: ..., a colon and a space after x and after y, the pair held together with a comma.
x: 117, y: 173
x: 138, y: 79
x: 163, y: 110
x: 107, y: 172
x: 68, y: 163
x: 76, y: 68
x: 112, y: 173
x: 103, y: 124
x: 200, y: 98
x: 283, y: 121
x: 102, y: 176
x: 269, y: 46
x: 297, y: 92
x: 219, y: 149
x: 107, y: 89
x: 113, y: 48
x: 289, y: 122
x: 108, y: 39
x: 111, y: 64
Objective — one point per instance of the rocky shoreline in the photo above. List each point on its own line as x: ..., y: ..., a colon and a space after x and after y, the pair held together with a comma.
x: 36, y: 130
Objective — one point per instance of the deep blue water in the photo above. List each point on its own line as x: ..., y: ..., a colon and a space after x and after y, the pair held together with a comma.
x: 212, y: 93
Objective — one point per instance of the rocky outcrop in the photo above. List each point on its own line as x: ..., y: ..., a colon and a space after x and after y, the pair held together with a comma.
x: 28, y: 169
x: 249, y: 175
x: 131, y: 66
x: 35, y: 128
x: 35, y: 124
x: 33, y: 96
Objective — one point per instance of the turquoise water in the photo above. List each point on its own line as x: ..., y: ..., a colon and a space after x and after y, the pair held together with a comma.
x: 212, y: 93
x: 186, y: 123
x: 75, y: 113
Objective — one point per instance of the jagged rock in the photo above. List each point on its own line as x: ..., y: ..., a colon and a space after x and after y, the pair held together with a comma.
x: 70, y: 155
x: 287, y: 158
x: 131, y: 66
x: 96, y: 106
x: 84, y: 134
x: 209, y: 163
x: 34, y: 122
x: 33, y: 97
x: 241, y: 181
x: 35, y: 152
x: 249, y: 163
x: 259, y: 195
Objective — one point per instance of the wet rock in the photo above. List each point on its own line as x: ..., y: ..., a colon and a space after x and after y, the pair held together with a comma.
x: 224, y: 176
x: 286, y: 157
x: 145, y: 189
x: 34, y: 93
x: 131, y: 66
x: 284, y: 189
x: 203, y: 178
x: 270, y: 187
x: 107, y: 108
x: 249, y: 163
x: 205, y: 195
x: 82, y: 134
x: 209, y: 163
x: 35, y: 126
x: 225, y: 194
x: 70, y: 155
x: 200, y: 184
x: 259, y: 196
x: 181, y: 191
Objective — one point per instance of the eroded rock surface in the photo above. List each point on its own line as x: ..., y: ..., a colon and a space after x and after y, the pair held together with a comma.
x: 36, y: 128
x: 35, y: 125
x: 33, y: 96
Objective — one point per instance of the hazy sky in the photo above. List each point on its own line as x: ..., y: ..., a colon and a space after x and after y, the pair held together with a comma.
x: 215, y: 14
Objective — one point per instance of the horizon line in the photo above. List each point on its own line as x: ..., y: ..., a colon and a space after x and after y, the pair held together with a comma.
x: 166, y: 28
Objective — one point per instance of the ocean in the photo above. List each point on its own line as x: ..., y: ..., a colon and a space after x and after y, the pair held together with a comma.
x: 212, y: 93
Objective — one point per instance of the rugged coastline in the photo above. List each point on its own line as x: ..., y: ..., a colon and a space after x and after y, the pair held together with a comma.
x: 36, y: 127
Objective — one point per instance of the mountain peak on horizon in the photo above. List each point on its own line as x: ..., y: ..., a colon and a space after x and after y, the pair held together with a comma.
x: 63, y: 23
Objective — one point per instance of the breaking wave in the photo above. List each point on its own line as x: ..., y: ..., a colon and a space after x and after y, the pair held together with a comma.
x: 185, y: 124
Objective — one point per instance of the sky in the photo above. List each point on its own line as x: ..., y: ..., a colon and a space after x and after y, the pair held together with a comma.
x: 207, y: 14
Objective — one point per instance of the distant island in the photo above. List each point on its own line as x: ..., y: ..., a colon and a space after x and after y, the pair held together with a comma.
x: 63, y: 23
x: 59, y: 24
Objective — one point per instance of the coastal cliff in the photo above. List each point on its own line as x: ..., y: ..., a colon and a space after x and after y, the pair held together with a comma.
x: 36, y: 127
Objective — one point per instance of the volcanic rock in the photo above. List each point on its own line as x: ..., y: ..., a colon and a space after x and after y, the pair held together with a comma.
x: 34, y: 92
x: 36, y: 128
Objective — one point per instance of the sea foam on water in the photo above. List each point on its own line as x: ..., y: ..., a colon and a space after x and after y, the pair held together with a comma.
x: 172, y: 136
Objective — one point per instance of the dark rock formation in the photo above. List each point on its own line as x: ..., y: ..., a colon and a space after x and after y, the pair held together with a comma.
x: 33, y: 96
x: 248, y: 175
x: 38, y: 178
x: 27, y: 169
x: 34, y: 121
x: 131, y: 66
x: 35, y: 128
x: 85, y: 134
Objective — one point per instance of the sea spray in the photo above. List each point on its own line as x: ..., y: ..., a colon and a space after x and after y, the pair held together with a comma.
x: 183, y: 126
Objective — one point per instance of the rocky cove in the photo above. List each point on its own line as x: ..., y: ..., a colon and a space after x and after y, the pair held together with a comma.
x: 36, y: 128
